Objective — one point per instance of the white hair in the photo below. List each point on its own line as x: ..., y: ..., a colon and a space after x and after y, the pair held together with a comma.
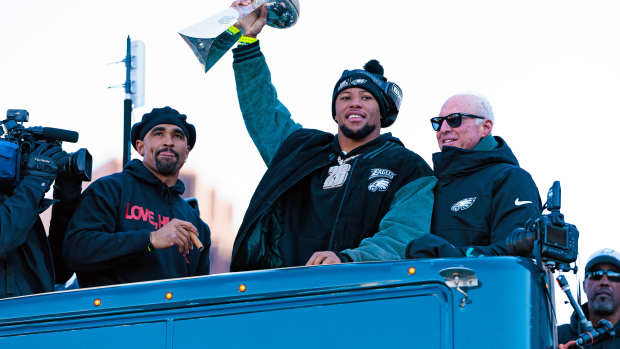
x: 485, y: 106
x: 481, y: 103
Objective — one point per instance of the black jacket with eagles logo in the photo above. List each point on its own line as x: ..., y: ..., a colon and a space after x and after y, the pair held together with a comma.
x: 361, y: 208
x: 481, y: 197
x: 384, y: 202
x: 107, y: 238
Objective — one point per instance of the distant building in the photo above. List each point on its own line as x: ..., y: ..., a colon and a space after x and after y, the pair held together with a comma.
x: 215, y: 211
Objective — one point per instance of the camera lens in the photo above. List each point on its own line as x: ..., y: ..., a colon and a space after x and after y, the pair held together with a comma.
x: 78, y: 165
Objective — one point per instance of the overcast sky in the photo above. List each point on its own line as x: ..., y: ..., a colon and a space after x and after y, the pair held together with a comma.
x: 551, y: 70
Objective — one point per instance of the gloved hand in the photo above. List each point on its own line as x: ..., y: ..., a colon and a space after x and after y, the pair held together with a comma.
x: 432, y: 246
x: 43, y: 161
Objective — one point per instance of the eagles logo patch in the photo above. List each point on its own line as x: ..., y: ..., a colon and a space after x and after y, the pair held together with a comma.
x: 379, y: 185
x: 380, y: 179
x: 464, y: 204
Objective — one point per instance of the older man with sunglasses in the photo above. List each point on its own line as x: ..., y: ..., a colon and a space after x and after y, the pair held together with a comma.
x: 602, y: 286
x: 482, y: 194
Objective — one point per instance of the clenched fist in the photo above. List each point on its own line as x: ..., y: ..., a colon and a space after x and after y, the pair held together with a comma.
x: 253, y: 23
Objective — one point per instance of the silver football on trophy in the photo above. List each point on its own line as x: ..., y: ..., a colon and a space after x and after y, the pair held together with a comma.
x: 282, y: 13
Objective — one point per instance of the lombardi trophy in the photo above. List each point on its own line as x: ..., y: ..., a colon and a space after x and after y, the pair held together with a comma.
x: 209, y: 39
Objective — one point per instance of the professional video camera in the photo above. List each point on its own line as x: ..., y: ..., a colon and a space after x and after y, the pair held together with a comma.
x: 17, y: 142
x: 547, y: 237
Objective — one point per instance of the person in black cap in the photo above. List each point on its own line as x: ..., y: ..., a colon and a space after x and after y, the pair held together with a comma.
x: 354, y: 196
x: 134, y: 225
x: 602, y: 286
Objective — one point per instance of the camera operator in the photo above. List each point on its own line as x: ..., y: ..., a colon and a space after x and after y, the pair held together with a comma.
x: 29, y: 262
x: 602, y: 286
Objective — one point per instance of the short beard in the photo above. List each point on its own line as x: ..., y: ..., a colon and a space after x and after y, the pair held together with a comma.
x: 603, y: 308
x: 359, y: 134
x: 166, y: 168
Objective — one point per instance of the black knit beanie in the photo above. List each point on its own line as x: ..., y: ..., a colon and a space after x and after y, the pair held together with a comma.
x: 159, y: 116
x: 371, y: 79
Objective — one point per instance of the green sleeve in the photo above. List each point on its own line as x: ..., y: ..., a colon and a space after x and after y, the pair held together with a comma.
x: 408, y: 218
x: 267, y: 120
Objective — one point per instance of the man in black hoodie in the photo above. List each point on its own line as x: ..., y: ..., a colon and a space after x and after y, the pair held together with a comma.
x: 602, y: 287
x: 482, y: 194
x: 127, y: 223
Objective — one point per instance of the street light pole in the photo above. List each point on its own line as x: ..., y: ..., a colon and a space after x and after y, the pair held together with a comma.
x: 134, y: 90
x: 127, y: 105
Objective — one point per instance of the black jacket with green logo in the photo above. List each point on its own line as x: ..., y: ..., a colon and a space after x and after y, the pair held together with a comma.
x: 361, y: 207
x: 481, y: 197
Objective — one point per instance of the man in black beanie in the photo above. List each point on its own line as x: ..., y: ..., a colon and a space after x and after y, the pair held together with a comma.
x: 354, y: 196
x: 127, y: 224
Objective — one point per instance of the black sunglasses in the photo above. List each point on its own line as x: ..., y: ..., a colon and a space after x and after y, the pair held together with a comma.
x: 454, y: 120
x: 597, y: 275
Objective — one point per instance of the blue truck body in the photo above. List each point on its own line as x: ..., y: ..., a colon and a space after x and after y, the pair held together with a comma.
x: 401, y: 304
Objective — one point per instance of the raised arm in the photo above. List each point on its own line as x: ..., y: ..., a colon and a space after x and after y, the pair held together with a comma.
x: 19, y: 212
x: 267, y: 120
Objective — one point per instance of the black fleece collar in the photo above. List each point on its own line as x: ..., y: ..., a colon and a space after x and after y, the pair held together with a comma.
x: 453, y: 161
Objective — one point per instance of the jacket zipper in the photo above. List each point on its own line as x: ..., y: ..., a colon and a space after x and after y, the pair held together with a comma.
x: 344, y: 195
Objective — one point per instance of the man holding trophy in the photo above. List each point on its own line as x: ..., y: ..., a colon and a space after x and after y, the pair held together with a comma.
x: 358, y: 195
